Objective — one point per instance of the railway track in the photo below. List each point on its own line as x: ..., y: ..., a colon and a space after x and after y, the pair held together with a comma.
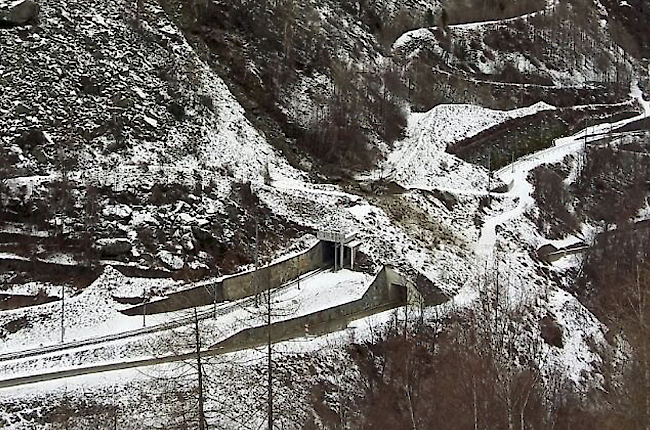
x: 327, y: 327
x: 180, y: 322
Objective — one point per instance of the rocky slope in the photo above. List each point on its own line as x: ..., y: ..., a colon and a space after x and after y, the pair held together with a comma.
x: 155, y: 138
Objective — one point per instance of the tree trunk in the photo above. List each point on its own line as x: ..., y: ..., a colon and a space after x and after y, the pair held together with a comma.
x: 202, y: 423
x: 269, y: 359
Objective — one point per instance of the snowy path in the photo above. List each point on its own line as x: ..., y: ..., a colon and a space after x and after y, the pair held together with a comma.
x: 421, y: 161
x: 515, y: 174
x: 549, y: 6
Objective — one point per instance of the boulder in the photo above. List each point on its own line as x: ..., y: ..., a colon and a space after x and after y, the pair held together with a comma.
x: 202, y: 234
x: 19, y: 12
x: 117, y: 212
x: 89, y: 85
x: 40, y: 155
x: 176, y: 110
x: 187, y: 242
x: 366, y: 187
x: 171, y: 261
x: 113, y: 247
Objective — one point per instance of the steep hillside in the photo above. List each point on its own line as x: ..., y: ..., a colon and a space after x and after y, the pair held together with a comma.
x: 493, y: 153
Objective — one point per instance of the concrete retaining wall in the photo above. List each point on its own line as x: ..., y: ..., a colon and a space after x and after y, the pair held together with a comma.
x: 247, y: 284
x: 388, y: 290
x: 198, y: 296
x: 238, y: 286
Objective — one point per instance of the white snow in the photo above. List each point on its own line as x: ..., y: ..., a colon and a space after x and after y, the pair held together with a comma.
x: 580, y: 328
x: 420, y: 160
x: 515, y: 174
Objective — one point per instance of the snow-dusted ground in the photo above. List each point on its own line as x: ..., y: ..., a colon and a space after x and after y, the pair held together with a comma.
x: 360, y: 215
x: 228, y: 143
x: 515, y: 174
x: 311, y: 294
x: 420, y: 160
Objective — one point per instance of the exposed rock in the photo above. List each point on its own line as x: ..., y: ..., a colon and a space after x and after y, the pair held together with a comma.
x: 122, y: 101
x: 447, y: 198
x: 186, y: 219
x: 305, y: 165
x: 89, y: 86
x: 366, y: 187
x: 31, y: 139
x: 121, y: 212
x: 551, y: 331
x: 171, y: 261
x: 113, y: 247
x: 176, y: 110
x: 202, y: 234
x: 151, y: 122
x: 21, y: 109
x: 187, y: 242
x: 40, y: 155
x: 207, y: 101
x: 19, y: 12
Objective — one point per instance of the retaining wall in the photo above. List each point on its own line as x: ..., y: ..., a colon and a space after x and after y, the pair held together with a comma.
x: 238, y: 286
x: 388, y: 290
x: 247, y: 284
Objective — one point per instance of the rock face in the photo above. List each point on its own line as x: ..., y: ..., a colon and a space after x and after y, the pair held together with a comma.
x: 119, y: 212
x: 19, y: 12
x: 171, y: 261
x: 113, y: 247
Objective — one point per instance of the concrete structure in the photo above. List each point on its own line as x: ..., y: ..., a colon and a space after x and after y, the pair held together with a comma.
x: 272, y: 276
x: 341, y: 246
x: 388, y: 290
x: 241, y: 285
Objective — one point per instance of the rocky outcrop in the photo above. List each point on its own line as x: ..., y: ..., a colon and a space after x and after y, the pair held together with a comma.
x: 113, y: 247
x: 551, y: 331
x: 171, y: 261
x: 19, y: 12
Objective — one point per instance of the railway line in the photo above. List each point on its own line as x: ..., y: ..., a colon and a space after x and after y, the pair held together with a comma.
x: 179, y: 322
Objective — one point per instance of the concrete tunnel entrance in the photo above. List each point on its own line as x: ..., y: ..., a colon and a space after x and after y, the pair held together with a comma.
x: 339, y: 249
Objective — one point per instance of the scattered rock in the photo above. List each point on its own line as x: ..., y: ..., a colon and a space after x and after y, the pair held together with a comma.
x: 207, y: 102
x: 366, y: 187
x: 447, y: 198
x: 152, y: 122
x: 171, y: 261
x: 122, y: 101
x: 113, y: 247
x: 187, y: 242
x: 121, y: 212
x: 186, y: 218
x: 40, y: 155
x: 19, y: 13
x: 305, y: 165
x: 21, y: 109
x: 202, y: 234
x: 31, y: 139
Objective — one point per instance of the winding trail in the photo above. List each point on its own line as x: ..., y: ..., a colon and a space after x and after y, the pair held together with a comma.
x: 516, y: 173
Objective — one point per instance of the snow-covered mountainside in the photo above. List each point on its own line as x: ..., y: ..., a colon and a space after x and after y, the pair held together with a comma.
x: 147, y: 149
